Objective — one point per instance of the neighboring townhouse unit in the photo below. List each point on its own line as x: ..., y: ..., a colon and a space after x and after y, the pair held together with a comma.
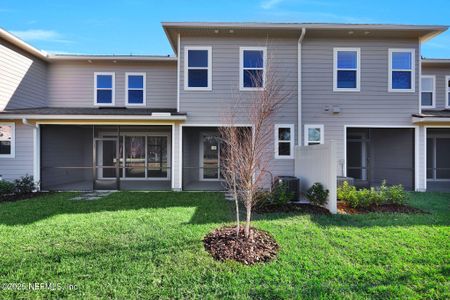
x: 83, y: 122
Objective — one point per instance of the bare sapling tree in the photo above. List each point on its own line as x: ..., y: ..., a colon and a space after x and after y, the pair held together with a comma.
x: 248, y: 151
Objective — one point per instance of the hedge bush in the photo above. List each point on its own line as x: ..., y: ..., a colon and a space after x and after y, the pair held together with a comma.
x: 367, y: 197
x: 6, y: 187
x: 317, y: 194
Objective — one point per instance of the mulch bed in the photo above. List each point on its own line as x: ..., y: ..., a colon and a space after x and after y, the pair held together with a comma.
x: 293, y: 207
x: 223, y: 244
x: 17, y: 197
x: 343, y: 208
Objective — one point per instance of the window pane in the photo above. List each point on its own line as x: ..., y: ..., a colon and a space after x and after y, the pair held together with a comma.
x: 346, y: 79
x: 401, y: 80
x: 135, y: 156
x: 253, y: 78
x: 198, y: 78
x: 427, y: 99
x: 136, y: 96
x: 347, y: 59
x: 284, y: 134
x: 313, y: 134
x: 198, y: 58
x: 427, y: 84
x: 136, y: 82
x: 157, y: 156
x: 253, y: 59
x: 5, y: 147
x: 5, y: 133
x: 401, y: 60
x: 104, y: 96
x: 104, y: 81
x: 430, y: 158
x: 284, y: 149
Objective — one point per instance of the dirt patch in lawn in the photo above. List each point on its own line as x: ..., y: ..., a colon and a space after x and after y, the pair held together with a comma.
x: 17, y: 197
x: 292, y: 207
x: 224, y: 244
x: 343, y: 208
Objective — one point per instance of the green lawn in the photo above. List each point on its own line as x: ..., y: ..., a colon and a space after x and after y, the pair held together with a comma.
x: 148, y: 245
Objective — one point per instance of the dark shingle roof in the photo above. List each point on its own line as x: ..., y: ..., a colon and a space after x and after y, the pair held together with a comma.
x: 445, y: 113
x: 90, y: 111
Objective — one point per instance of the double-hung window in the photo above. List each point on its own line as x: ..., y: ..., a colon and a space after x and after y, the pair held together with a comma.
x: 428, y: 93
x: 197, y: 68
x: 314, y: 134
x: 252, y: 68
x: 7, y: 140
x: 447, y: 91
x: 401, y: 70
x: 135, y: 91
x: 104, y: 88
x: 347, y: 69
x: 284, y: 141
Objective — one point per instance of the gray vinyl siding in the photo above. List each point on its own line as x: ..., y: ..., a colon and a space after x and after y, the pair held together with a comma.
x: 22, y: 163
x: 209, y: 107
x: 72, y: 84
x: 441, y: 86
x: 372, y: 106
x: 23, y: 79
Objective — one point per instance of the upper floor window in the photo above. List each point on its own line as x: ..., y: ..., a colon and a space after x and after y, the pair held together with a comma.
x: 347, y: 69
x: 401, y: 70
x: 447, y: 91
x: 197, y: 71
x: 104, y: 88
x: 284, y: 141
x: 7, y: 139
x: 428, y: 91
x: 135, y: 91
x: 314, y: 134
x: 252, y: 68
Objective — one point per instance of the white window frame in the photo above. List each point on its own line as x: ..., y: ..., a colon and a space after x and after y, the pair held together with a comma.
x: 336, y: 69
x: 412, y: 70
x: 321, y: 127
x: 187, y: 68
x: 447, y: 90
x: 291, y: 141
x: 144, y: 88
x: 113, y: 94
x: 13, y: 140
x: 241, y: 68
x: 433, y: 99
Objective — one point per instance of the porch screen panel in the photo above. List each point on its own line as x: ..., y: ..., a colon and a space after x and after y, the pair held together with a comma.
x: 135, y: 156
x: 443, y: 158
x: 157, y: 166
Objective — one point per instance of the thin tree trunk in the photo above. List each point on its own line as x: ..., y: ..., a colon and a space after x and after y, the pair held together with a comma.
x: 248, y: 206
x: 236, y: 203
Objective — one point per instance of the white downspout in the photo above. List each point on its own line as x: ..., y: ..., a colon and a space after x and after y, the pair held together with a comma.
x: 299, y: 87
x: 36, y: 151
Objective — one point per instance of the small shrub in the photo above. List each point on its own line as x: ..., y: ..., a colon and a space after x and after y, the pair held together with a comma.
x: 396, y: 195
x: 25, y: 185
x: 6, y: 187
x: 367, y: 197
x: 317, y: 194
x: 281, y: 195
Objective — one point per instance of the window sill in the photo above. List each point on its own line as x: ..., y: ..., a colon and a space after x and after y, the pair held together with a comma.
x: 346, y: 90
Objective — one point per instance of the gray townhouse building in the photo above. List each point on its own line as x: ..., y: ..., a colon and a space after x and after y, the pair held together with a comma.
x: 84, y: 122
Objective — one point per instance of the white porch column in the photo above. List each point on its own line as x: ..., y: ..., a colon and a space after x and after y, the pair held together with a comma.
x: 420, y: 159
x: 37, y: 155
x: 177, y: 163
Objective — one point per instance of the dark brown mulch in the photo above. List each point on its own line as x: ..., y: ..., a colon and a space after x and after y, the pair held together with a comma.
x: 343, y: 208
x: 223, y: 244
x: 293, y: 207
x: 17, y: 197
